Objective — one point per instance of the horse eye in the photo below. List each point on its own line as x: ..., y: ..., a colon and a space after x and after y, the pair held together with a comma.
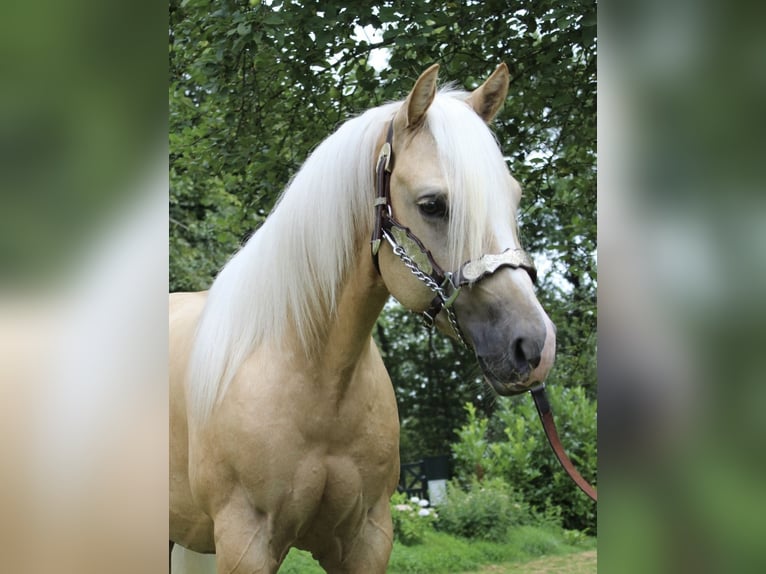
x: 434, y: 207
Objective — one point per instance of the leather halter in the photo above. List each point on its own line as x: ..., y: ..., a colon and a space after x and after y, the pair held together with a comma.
x: 446, y: 285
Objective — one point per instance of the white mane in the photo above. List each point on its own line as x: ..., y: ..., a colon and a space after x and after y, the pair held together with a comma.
x: 290, y: 272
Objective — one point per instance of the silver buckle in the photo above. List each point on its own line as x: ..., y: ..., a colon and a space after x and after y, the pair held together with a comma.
x: 455, y: 290
x: 385, y: 152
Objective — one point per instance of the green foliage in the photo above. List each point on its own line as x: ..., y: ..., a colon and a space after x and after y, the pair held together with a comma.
x: 537, y: 541
x: 512, y: 446
x: 471, y: 448
x: 444, y: 553
x: 412, y: 518
x: 300, y: 562
x: 574, y: 537
x: 433, y: 378
x: 484, y: 511
x: 441, y: 553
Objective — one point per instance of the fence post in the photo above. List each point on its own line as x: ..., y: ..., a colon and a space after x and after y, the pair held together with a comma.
x: 437, y: 471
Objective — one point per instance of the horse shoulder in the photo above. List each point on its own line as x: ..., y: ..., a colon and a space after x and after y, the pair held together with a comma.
x: 189, y: 525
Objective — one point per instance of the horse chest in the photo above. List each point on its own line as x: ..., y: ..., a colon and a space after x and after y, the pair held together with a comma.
x: 327, y: 454
x: 331, y: 458
x: 330, y: 500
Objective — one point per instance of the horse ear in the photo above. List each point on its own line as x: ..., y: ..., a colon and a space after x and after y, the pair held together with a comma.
x: 488, y: 98
x: 420, y: 97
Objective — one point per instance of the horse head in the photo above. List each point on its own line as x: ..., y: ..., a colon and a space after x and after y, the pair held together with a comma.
x: 446, y: 241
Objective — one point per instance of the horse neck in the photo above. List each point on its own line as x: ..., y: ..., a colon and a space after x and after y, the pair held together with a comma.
x: 347, y: 339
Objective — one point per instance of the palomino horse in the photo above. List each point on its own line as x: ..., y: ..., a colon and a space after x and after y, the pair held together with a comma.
x: 283, y: 421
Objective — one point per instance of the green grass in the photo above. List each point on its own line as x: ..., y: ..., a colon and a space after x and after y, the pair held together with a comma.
x: 300, y: 562
x: 585, y: 562
x: 442, y: 553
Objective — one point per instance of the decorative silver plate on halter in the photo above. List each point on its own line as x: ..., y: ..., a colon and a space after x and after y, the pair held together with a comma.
x: 489, y: 263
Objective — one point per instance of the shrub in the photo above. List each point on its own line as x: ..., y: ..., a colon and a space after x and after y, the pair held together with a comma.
x: 471, y: 449
x: 412, y: 518
x: 484, y: 511
x: 574, y: 537
x: 538, y: 541
x: 512, y: 446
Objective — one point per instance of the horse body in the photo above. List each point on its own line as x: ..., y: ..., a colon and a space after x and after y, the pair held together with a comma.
x: 319, y: 481
x: 283, y: 421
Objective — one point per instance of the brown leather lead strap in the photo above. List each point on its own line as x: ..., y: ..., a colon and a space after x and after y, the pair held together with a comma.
x: 546, y: 416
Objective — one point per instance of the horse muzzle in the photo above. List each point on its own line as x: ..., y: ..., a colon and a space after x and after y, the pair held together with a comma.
x: 510, y: 372
x: 515, y: 358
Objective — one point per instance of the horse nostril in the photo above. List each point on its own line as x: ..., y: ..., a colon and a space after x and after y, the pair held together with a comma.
x: 526, y: 351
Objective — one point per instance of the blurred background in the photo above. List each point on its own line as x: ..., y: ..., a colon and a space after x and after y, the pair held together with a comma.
x: 83, y: 283
x: 682, y: 260
x: 681, y: 253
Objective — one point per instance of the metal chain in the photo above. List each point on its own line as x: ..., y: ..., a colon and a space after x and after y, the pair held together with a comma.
x: 453, y: 323
x: 412, y: 266
x: 431, y: 284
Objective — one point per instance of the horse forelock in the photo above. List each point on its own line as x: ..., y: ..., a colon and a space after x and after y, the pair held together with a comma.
x: 482, y: 195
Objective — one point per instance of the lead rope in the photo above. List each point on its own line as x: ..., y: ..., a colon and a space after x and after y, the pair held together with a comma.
x: 546, y: 417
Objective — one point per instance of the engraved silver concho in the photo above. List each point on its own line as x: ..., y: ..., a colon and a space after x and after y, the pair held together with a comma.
x: 489, y: 263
